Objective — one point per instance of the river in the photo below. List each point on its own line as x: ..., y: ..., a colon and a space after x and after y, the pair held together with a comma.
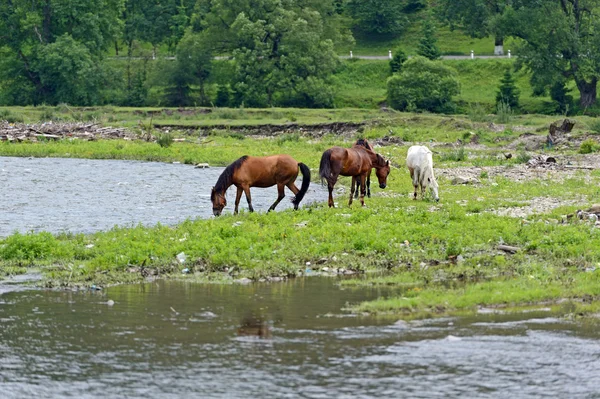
x: 84, y: 196
x: 281, y: 340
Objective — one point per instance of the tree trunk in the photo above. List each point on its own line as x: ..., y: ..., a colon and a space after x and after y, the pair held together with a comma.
x: 499, y: 45
x: 587, y: 92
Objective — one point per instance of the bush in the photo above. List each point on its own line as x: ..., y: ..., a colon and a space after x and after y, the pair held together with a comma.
x: 508, y: 93
x: 477, y: 113
x: 164, y: 140
x: 397, y: 60
x: 6, y: 115
x: 423, y: 85
x: 456, y: 156
x: 503, y: 113
x: 588, y: 146
x: 223, y: 96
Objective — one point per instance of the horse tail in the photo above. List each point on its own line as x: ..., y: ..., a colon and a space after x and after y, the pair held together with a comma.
x: 305, y: 183
x: 325, y: 166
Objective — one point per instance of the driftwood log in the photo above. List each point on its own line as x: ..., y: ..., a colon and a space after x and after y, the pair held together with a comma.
x: 59, y: 130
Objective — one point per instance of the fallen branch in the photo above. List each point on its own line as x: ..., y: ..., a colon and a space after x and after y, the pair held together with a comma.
x: 508, y: 248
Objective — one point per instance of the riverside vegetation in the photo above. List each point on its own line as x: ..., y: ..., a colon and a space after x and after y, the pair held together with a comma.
x: 444, y: 255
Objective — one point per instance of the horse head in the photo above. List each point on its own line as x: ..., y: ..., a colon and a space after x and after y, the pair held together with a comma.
x: 433, y: 186
x: 218, y: 201
x: 382, y: 170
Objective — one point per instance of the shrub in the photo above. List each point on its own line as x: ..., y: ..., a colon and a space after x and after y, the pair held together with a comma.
x: 397, y: 60
x: 588, y: 146
x: 423, y: 85
x: 6, y: 115
x: 456, y: 156
x: 523, y: 157
x: 504, y: 113
x: 164, y: 140
x: 477, y: 113
x: 559, y: 93
x: 508, y: 93
x: 223, y: 96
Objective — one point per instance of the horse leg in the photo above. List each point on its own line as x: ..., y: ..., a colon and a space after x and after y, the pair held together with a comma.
x: 357, y: 190
x: 369, y: 184
x: 362, y: 189
x: 294, y: 190
x: 354, y: 182
x: 249, y: 198
x: 415, y: 180
x: 280, y: 196
x: 330, y: 188
x: 238, y: 196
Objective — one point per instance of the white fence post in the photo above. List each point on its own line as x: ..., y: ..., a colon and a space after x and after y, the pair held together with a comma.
x: 508, y: 53
x: 472, y: 54
x: 352, y: 56
x: 390, y: 54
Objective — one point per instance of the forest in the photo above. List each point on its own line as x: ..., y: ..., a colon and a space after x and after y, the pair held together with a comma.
x: 287, y: 53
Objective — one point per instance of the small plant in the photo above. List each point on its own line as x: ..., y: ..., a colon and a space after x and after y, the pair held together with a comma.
x: 289, y: 137
x: 456, y: 156
x: 477, y: 113
x: 164, y: 140
x: 523, y: 157
x: 484, y: 174
x: 588, y: 146
x: 504, y: 112
x: 47, y: 115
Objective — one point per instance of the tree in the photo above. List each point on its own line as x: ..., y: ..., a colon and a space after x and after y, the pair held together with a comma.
x: 55, y: 44
x: 476, y: 18
x: 560, y: 43
x: 397, y: 60
x: 423, y: 85
x: 428, y: 44
x: 508, y: 92
x: 282, y: 50
x: 383, y: 16
x: 192, y: 67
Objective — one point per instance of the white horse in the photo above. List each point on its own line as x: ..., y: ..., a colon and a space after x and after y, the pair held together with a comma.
x: 420, y: 165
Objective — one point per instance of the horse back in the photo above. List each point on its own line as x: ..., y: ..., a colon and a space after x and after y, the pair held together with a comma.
x: 266, y: 171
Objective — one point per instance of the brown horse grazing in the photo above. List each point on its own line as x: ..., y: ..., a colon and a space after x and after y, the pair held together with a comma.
x: 364, y: 143
x: 246, y: 172
x: 356, y: 162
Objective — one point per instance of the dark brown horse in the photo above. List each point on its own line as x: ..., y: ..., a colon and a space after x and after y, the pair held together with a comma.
x: 364, y: 143
x: 356, y: 162
x: 246, y: 172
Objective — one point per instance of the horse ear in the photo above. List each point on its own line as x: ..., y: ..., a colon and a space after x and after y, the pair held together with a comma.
x: 387, y: 163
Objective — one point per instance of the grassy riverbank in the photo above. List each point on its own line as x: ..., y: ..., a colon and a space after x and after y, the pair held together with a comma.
x: 445, y: 255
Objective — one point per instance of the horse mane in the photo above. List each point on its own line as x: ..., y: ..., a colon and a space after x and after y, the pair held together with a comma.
x: 363, y: 143
x: 225, y: 180
x: 380, y: 160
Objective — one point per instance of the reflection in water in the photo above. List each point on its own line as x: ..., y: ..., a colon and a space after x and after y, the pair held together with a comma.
x: 254, y: 326
x: 59, y: 344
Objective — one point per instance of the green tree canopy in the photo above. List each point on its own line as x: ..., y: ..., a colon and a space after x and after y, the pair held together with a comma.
x: 423, y: 85
x: 475, y: 17
x: 382, y: 16
x: 282, y: 49
x: 54, y: 43
x: 560, y: 41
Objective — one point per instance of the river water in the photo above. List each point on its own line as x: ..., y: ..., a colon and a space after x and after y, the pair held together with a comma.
x: 280, y: 340
x: 85, y: 196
